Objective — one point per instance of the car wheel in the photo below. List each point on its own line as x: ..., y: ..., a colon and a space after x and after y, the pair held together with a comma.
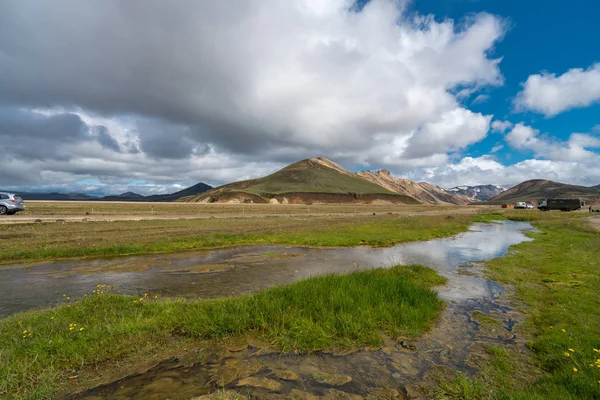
x: 3, y: 210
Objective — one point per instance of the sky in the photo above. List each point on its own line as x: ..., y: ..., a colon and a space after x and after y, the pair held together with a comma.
x: 152, y: 96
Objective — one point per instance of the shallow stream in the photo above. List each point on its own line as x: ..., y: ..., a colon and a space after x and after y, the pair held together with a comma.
x: 453, y: 343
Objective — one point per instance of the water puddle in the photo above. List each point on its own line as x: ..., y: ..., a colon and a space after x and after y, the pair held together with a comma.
x: 394, y: 369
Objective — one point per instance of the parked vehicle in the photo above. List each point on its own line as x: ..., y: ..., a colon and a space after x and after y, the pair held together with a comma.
x: 530, y: 206
x: 10, y: 203
x: 521, y: 205
x: 561, y: 204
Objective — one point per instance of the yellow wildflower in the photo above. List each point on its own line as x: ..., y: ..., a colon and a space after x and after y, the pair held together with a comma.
x: 563, y: 330
x: 80, y: 329
x: 574, y: 369
x: 597, y: 351
x: 567, y: 354
x: 572, y: 351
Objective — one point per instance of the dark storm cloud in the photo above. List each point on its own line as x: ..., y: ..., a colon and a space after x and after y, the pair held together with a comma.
x: 32, y: 136
x: 17, y: 123
x: 244, y: 74
x: 114, y: 58
x: 100, y: 133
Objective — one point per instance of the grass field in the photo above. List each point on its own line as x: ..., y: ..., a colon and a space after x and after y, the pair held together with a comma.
x: 40, y: 349
x: 45, y: 241
x: 557, y: 282
x: 93, y: 208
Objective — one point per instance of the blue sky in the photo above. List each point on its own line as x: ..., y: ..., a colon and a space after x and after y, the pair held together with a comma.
x: 148, y: 96
x: 547, y: 35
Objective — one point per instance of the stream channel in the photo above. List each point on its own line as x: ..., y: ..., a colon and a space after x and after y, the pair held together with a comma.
x: 398, y: 367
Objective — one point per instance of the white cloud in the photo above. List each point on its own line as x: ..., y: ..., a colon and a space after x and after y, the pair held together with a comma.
x: 549, y: 94
x: 497, y: 148
x: 480, y: 99
x: 453, y: 131
x: 574, y: 149
x: 567, y: 161
x: 501, y: 126
x: 486, y: 170
x: 523, y: 137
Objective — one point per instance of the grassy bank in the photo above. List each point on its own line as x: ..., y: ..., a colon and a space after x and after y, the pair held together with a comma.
x: 51, y: 241
x: 39, y: 349
x: 557, y: 281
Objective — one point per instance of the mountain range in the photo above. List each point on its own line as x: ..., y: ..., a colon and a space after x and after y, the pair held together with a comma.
x: 478, y: 193
x: 319, y: 180
x: 128, y: 196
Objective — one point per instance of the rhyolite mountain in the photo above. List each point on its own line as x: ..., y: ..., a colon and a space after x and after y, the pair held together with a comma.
x: 316, y: 180
x: 537, y: 189
x: 478, y: 192
x: 319, y: 180
x: 422, y: 191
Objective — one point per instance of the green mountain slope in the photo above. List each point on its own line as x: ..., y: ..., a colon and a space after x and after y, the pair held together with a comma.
x: 314, y: 179
x: 538, y: 189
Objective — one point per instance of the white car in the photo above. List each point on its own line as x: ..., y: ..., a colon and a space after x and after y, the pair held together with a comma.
x: 530, y: 206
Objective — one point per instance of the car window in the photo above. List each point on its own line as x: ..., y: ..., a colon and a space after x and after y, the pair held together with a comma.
x: 18, y: 198
x: 3, y: 197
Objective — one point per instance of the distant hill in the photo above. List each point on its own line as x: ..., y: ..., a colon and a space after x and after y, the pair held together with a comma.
x: 190, y: 191
x: 422, y: 191
x: 128, y: 196
x: 53, y: 196
x: 312, y: 180
x: 538, y: 189
x: 479, y: 192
